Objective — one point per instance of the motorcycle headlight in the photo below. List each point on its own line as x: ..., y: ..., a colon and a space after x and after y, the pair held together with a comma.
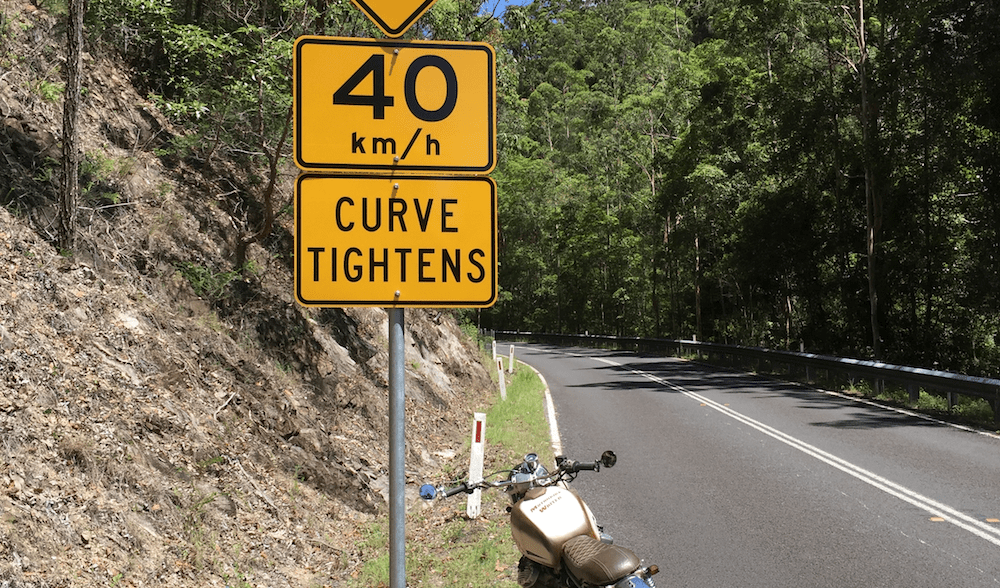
x: 524, y: 476
x: 522, y: 482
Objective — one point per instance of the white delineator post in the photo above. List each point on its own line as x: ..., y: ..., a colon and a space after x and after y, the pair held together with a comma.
x: 510, y: 364
x: 503, y: 383
x: 494, y: 350
x: 476, y: 456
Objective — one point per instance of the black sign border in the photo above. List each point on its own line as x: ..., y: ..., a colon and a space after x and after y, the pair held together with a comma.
x: 395, y: 167
x: 395, y: 304
x: 393, y: 31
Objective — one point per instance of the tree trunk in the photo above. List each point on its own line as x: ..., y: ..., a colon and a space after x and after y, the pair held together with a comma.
x: 838, y: 173
x: 656, y: 298
x: 272, y: 180
x: 697, y: 288
x: 321, y: 7
x: 873, y: 201
x: 70, y: 192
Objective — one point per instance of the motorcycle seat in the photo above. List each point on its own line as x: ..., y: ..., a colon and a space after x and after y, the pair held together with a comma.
x: 598, y: 563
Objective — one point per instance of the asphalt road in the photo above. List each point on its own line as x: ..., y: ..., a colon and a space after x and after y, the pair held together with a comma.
x: 729, y: 480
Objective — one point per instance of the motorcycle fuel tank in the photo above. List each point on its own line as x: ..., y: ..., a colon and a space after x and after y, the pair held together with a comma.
x: 545, y: 519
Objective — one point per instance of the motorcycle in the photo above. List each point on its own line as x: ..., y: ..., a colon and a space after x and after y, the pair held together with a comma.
x: 560, y: 542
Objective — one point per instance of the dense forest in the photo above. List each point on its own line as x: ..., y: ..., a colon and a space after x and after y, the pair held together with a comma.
x: 783, y: 173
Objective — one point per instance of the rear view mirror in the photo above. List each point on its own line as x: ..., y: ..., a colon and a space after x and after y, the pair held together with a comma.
x: 609, y: 459
x: 428, y: 492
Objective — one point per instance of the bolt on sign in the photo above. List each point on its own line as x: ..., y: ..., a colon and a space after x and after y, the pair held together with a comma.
x: 393, y: 17
x: 363, y: 105
x: 366, y: 240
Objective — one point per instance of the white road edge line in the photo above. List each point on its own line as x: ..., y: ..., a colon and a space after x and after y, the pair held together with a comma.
x: 934, y: 508
x: 550, y: 413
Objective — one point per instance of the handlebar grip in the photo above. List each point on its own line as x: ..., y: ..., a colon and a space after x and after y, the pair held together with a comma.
x: 591, y: 466
x: 463, y: 487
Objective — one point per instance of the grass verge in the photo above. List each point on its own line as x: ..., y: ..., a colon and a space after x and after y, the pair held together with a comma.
x: 443, y: 546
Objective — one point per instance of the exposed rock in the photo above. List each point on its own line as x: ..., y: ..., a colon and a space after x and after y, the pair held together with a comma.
x: 152, y: 436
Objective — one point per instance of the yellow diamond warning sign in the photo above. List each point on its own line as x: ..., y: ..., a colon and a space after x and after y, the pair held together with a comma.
x: 393, y: 17
x: 394, y: 106
x: 363, y: 240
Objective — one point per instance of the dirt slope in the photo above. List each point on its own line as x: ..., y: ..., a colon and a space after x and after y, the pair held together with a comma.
x: 163, y: 421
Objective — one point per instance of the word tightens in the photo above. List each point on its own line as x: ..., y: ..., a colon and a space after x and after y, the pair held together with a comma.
x: 425, y: 264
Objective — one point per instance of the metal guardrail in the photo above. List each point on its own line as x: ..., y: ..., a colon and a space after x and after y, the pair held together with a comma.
x: 912, y: 378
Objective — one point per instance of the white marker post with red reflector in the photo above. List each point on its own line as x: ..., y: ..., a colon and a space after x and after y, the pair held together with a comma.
x: 476, y: 456
x: 503, y: 382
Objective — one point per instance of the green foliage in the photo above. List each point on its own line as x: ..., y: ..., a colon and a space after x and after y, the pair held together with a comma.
x: 238, y: 579
x: 580, y: 232
x: 699, y: 168
x: 455, y: 20
x: 206, y: 283
x: 57, y: 7
x: 673, y: 168
x: 519, y: 424
x: 101, y: 176
x: 180, y: 146
x: 975, y: 411
x: 478, y: 553
x: 374, y: 549
x: 46, y: 172
x: 223, y: 73
x: 49, y: 91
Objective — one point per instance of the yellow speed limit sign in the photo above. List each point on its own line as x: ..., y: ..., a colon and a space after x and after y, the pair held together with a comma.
x: 401, y: 106
x: 391, y: 241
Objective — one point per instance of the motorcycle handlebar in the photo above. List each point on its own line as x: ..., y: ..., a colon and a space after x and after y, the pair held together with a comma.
x: 463, y: 487
x: 564, y: 466
x: 570, y: 466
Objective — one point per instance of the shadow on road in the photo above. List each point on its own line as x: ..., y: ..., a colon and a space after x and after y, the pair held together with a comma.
x: 683, y: 375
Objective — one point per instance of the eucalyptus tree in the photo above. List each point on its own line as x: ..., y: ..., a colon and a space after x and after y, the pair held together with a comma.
x: 70, y: 189
x: 595, y: 103
x: 222, y: 71
x: 776, y: 172
x: 941, y: 256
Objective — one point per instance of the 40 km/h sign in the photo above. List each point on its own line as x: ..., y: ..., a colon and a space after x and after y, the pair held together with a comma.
x: 364, y: 240
x: 399, y: 106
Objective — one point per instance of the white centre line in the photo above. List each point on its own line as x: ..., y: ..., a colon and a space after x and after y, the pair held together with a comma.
x: 929, y: 505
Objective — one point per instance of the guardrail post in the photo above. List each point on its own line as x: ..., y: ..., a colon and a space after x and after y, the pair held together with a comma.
x: 996, y: 407
x: 914, y: 391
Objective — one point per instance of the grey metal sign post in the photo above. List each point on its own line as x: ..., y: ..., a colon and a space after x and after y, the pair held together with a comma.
x: 474, y: 123
x: 397, y: 450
